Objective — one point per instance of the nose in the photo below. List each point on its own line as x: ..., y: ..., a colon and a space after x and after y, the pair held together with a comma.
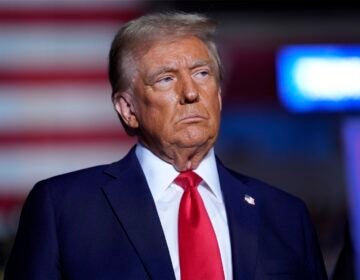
x: 189, y: 91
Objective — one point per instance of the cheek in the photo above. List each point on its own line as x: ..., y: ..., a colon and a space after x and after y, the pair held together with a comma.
x: 162, y: 105
x: 159, y: 99
x: 214, y: 110
x: 213, y: 101
x: 157, y: 115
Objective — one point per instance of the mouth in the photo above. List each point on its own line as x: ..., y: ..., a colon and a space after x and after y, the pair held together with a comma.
x: 192, y: 118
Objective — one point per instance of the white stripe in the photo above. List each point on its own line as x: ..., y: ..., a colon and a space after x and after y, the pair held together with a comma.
x: 21, y: 167
x: 56, y: 107
x: 55, y: 46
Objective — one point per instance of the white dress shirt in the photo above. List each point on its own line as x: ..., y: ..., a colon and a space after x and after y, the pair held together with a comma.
x: 167, y: 195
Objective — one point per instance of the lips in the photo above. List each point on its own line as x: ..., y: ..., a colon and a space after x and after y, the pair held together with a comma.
x: 192, y: 118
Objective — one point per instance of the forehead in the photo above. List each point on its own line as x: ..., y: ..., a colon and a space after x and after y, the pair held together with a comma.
x: 183, y: 51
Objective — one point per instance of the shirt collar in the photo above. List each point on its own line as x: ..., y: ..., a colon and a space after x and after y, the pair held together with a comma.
x: 160, y: 174
x: 207, y: 170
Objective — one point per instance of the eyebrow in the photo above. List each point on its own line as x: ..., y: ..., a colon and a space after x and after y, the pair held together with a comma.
x: 165, y: 69
x: 161, y: 70
x: 200, y: 63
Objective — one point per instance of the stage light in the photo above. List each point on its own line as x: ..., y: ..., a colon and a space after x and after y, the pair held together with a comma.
x: 319, y: 78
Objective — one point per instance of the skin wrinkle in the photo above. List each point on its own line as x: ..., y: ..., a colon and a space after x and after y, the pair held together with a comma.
x: 175, y: 103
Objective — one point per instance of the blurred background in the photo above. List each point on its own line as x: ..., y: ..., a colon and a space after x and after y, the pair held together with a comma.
x: 56, y: 113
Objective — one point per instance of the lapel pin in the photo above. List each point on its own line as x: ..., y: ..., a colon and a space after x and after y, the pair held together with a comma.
x: 249, y: 199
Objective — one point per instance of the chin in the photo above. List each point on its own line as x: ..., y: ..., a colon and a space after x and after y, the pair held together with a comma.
x: 195, y: 142
x: 194, y: 137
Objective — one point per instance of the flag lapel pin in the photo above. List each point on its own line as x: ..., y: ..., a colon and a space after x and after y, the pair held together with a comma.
x: 249, y: 199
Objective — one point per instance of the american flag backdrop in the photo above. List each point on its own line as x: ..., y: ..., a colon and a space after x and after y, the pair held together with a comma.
x: 56, y: 113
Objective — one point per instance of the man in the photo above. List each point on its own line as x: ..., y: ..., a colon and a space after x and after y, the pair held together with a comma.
x: 169, y: 209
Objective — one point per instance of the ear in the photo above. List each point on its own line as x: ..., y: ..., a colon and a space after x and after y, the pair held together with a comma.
x: 124, y: 106
x: 220, y: 98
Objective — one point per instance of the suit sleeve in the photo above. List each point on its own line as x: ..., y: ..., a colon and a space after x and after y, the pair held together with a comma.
x: 314, y: 261
x: 35, y: 253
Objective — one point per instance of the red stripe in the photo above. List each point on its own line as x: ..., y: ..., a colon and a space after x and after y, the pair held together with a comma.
x: 91, y: 137
x: 56, y: 14
x: 36, y: 76
x: 11, y: 202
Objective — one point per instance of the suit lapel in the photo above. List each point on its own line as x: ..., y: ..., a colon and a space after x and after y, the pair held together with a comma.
x: 133, y: 205
x: 243, y: 224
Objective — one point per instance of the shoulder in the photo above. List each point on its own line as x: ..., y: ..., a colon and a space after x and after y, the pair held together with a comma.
x: 87, y: 179
x: 69, y: 188
x: 265, y: 188
x: 83, y: 176
x: 272, y: 198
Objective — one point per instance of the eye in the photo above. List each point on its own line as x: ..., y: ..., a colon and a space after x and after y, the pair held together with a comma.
x: 202, y: 74
x: 165, y: 80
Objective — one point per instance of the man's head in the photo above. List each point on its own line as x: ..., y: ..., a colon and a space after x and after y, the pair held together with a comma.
x: 165, y: 74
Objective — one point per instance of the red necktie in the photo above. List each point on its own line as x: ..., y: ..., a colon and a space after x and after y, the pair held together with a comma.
x: 198, y: 248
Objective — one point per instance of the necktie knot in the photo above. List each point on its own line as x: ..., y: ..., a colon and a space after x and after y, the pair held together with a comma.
x: 188, y: 179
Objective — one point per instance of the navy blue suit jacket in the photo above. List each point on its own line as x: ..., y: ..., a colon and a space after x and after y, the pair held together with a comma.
x: 101, y: 223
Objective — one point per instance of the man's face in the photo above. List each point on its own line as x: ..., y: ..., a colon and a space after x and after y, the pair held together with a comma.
x: 176, y: 96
